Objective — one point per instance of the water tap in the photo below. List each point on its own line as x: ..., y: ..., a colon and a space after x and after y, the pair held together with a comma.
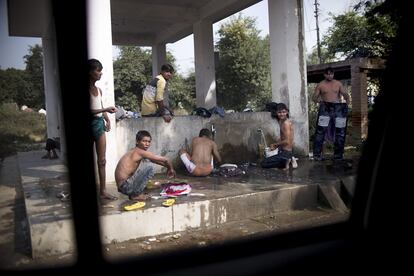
x: 213, y: 129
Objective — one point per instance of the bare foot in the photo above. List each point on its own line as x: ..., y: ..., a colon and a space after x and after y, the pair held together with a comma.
x: 294, y: 162
x: 107, y: 196
x: 287, y: 165
x: 140, y: 197
x: 46, y: 157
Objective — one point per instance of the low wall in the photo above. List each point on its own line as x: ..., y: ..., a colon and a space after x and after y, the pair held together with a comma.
x: 236, y: 135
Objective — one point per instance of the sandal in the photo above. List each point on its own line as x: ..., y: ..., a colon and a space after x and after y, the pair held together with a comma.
x: 169, y: 202
x: 63, y: 196
x: 136, y: 205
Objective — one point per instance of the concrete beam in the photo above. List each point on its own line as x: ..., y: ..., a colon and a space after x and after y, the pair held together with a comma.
x: 127, y: 10
x: 133, y: 39
x: 28, y: 18
x: 174, y: 33
x: 213, y: 11
x: 216, y: 10
x: 204, y: 65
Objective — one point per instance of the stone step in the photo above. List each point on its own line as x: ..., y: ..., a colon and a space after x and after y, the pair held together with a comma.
x: 120, y: 226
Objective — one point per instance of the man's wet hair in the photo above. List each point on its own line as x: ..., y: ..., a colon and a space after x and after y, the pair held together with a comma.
x: 328, y: 70
x: 167, y: 68
x: 94, y: 64
x: 141, y: 134
x: 205, y: 132
x: 279, y: 107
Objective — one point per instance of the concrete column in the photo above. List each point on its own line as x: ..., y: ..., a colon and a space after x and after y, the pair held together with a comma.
x: 51, y: 83
x: 204, y: 64
x: 99, y: 33
x: 359, y: 103
x: 54, y: 115
x: 159, y: 57
x: 288, y: 65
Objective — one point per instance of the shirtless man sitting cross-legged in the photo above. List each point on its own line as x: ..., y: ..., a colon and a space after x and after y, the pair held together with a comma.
x: 130, y: 177
x: 200, y: 162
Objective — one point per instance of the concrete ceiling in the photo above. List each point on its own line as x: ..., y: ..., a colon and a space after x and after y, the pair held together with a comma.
x: 134, y: 22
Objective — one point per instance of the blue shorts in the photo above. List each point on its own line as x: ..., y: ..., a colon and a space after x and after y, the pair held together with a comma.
x: 277, y: 161
x: 98, y: 127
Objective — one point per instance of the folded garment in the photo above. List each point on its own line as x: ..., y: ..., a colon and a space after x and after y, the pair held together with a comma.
x: 231, y: 171
x: 269, y: 153
x: 175, y: 189
x: 227, y: 165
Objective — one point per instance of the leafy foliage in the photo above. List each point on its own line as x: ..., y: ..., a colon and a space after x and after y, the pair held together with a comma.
x: 132, y: 71
x: 24, y: 87
x: 243, y: 74
x: 14, y: 86
x: 18, y: 128
x: 182, y: 92
x: 369, y: 33
x: 35, y: 97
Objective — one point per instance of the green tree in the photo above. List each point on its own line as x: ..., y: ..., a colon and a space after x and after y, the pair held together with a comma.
x: 313, y: 58
x: 14, y: 86
x: 366, y: 33
x: 24, y: 87
x: 132, y: 71
x: 182, y: 90
x: 243, y: 74
x: 35, y: 96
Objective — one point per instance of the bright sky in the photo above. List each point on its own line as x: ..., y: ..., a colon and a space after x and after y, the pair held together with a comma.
x: 13, y: 49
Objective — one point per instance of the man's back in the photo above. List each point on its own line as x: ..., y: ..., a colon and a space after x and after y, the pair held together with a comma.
x: 203, y: 150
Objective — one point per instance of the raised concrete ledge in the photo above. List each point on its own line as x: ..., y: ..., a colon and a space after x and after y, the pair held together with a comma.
x: 52, y: 238
x: 260, y: 193
x: 51, y: 225
x: 124, y: 226
x: 49, y: 220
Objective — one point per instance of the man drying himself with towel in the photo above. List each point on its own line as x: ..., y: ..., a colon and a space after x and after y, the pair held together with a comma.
x: 200, y: 162
x: 130, y: 177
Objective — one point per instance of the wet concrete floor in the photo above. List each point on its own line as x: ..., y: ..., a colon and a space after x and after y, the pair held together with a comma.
x: 255, y: 179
